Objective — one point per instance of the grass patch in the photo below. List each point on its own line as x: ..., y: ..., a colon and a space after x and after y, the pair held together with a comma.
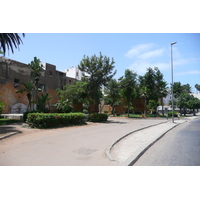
x: 6, y: 121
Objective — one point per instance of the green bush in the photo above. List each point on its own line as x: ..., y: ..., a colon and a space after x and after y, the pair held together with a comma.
x: 1, y: 107
x: 27, y: 112
x: 98, y: 117
x: 44, y: 120
x: 170, y: 114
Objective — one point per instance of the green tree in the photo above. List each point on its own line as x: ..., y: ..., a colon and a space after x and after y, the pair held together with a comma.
x: 193, y: 103
x: 178, y: 89
x: 128, y: 85
x: 181, y: 102
x: 36, y: 73
x: 9, y: 41
x: 99, y: 73
x: 112, y: 94
x: 152, y: 106
x: 154, y: 82
x: 74, y: 93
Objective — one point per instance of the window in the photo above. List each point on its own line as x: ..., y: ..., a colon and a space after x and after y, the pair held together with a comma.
x: 16, y: 83
x: 50, y: 73
x: 41, y: 88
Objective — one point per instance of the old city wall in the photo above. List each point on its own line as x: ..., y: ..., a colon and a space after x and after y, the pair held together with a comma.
x: 13, y: 74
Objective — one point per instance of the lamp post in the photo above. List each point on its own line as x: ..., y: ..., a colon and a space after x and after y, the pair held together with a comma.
x: 172, y: 83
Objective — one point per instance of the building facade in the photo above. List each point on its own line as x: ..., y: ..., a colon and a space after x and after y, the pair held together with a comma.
x: 14, y: 73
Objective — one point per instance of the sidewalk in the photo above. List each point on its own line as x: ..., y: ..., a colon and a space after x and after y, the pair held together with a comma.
x: 129, y: 148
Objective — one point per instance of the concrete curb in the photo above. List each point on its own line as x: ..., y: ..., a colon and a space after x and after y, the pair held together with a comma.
x: 9, y: 135
x: 109, y: 148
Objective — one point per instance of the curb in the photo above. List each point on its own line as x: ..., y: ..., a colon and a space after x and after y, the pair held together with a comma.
x: 9, y: 135
x: 109, y: 148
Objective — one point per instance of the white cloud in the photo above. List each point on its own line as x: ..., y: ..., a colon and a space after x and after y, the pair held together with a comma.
x: 148, y: 55
x: 141, y: 66
x: 152, y: 54
x: 138, y: 49
x: 143, y: 56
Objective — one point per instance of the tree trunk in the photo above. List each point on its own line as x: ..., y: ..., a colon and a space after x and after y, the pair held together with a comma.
x: 128, y: 109
x: 145, y: 107
x: 162, y: 107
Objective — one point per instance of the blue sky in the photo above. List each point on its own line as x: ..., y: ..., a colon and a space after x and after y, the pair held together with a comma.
x: 136, y: 51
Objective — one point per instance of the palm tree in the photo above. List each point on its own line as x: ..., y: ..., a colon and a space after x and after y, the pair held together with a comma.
x: 28, y: 88
x: 36, y: 73
x: 145, y: 92
x: 42, y: 101
x: 9, y: 41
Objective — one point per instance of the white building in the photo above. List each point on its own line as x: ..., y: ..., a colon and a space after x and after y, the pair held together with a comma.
x: 197, y: 95
x: 74, y: 72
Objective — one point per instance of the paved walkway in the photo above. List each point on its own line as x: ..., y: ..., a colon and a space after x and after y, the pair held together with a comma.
x: 95, y: 144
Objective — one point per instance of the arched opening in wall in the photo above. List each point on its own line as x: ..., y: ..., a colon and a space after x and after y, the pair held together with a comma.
x: 18, y: 108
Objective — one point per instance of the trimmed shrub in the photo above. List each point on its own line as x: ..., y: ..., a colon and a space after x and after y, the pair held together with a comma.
x: 27, y: 112
x: 50, y: 120
x: 98, y: 117
x: 170, y: 114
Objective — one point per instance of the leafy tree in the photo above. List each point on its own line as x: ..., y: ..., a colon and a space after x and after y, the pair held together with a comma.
x: 193, y: 103
x: 154, y: 82
x: 128, y: 85
x: 152, y: 105
x: 74, y: 93
x: 112, y: 92
x: 182, y: 100
x: 9, y: 41
x: 100, y: 73
x: 178, y: 89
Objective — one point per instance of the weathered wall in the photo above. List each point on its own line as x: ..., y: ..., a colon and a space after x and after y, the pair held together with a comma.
x: 13, y: 74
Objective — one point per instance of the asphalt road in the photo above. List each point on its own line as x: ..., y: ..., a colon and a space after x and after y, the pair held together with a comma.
x: 179, y: 147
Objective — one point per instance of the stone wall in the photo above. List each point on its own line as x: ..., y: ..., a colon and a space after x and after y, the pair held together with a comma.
x: 14, y: 73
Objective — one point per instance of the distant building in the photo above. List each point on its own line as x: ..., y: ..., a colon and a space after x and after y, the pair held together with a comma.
x: 74, y: 73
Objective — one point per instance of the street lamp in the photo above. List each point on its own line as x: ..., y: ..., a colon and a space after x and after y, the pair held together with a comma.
x: 172, y: 83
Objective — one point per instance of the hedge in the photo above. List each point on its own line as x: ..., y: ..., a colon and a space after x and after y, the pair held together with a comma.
x: 98, y: 117
x: 170, y: 114
x: 50, y: 120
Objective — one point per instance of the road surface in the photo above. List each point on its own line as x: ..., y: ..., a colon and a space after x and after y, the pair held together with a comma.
x: 179, y: 147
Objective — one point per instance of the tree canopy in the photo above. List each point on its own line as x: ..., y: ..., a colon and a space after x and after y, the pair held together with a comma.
x: 128, y: 85
x: 98, y: 71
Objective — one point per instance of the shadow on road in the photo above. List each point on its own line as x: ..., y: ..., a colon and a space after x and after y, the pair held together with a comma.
x: 7, y: 129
